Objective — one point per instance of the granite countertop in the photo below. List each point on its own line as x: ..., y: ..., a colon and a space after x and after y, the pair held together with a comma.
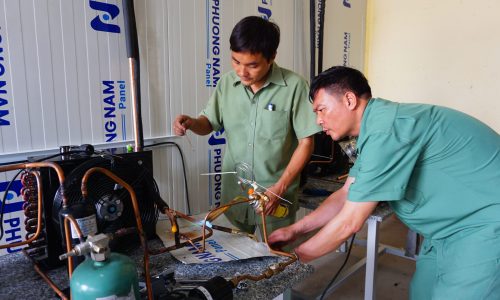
x: 20, y: 281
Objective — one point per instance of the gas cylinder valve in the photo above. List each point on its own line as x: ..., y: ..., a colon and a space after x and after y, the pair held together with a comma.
x: 97, y: 246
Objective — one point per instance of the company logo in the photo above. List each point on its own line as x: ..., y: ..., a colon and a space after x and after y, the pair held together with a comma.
x: 347, y: 48
x: 3, y: 92
x: 346, y: 3
x: 102, y: 21
x: 217, y: 138
x: 11, y: 205
x: 213, y: 67
x: 13, y: 215
x: 111, y: 101
x: 264, y: 9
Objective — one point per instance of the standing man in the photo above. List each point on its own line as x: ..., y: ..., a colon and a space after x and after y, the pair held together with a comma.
x: 438, y: 168
x: 268, y: 120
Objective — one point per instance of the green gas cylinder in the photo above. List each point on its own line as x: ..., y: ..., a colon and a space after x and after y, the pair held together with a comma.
x: 105, y: 275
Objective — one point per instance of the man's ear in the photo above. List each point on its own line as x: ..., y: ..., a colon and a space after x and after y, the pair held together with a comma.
x: 271, y: 60
x: 351, y: 100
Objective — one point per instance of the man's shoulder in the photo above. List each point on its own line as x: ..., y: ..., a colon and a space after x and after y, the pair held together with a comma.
x: 292, y: 77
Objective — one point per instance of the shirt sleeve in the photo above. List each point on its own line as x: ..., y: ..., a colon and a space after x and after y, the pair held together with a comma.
x: 383, y: 168
x: 303, y: 117
x: 213, y: 110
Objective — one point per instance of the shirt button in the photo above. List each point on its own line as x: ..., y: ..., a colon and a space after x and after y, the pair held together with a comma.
x: 249, y: 145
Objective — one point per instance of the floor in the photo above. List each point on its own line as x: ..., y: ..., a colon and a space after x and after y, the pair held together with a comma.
x: 393, y: 274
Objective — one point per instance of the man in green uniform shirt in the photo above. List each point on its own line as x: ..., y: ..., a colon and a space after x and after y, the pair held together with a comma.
x: 439, y: 169
x: 267, y: 118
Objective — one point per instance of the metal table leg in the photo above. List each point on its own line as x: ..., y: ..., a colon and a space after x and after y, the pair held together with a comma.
x: 371, y: 258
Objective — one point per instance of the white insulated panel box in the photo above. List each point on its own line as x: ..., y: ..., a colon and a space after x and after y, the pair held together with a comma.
x: 345, y: 33
x: 64, y: 80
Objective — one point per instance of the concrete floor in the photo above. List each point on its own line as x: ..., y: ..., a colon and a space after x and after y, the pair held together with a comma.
x: 392, y: 278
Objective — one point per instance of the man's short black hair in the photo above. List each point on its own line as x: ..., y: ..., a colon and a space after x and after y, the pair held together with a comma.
x: 255, y: 35
x: 340, y: 79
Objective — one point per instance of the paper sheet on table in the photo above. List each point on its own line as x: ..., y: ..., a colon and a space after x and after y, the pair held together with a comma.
x: 220, y: 247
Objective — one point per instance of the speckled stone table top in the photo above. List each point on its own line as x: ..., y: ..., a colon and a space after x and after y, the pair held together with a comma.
x: 18, y: 279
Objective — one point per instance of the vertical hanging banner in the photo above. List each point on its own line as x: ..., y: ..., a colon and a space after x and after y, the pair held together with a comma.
x: 344, y: 33
x: 217, y: 140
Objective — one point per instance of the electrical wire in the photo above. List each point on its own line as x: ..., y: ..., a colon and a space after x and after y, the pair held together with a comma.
x: 183, y: 168
x: 340, y: 269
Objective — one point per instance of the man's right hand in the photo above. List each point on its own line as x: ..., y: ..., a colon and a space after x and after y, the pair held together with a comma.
x: 282, y: 237
x: 181, y: 124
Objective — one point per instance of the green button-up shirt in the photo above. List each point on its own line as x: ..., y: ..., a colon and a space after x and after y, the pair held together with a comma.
x: 258, y: 135
x: 438, y: 168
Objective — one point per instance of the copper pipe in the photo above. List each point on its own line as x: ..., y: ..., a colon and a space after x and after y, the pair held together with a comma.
x: 264, y: 231
x: 188, y: 241
x: 324, y: 161
x: 224, y: 208
x: 273, y: 269
x: 341, y: 177
x: 137, y: 213
x: 48, y: 164
x: 135, y: 113
x: 39, y: 216
x: 67, y: 233
x: 45, y: 277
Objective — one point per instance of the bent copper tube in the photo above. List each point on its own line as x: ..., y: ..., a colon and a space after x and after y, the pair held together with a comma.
x: 45, y: 277
x: 273, y: 269
x: 137, y: 214
x: 223, y: 208
x: 67, y: 233
x: 189, y: 241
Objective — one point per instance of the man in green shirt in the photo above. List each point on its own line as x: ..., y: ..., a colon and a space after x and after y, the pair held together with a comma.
x: 267, y: 118
x: 438, y: 168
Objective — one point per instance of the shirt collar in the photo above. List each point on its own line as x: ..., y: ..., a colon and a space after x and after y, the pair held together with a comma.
x: 275, y: 77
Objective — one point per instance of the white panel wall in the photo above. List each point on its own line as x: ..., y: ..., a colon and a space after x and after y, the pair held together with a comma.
x: 60, y: 77
x: 53, y: 67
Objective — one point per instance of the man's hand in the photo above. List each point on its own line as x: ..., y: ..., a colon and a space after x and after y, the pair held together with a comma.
x: 282, y: 237
x: 181, y: 124
x: 272, y: 193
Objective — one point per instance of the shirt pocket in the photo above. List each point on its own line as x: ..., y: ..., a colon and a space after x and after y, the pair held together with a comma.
x: 273, y: 124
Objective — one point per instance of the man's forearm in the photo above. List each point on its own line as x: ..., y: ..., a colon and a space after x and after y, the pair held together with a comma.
x: 346, y: 222
x: 200, y: 125
x: 324, y: 213
x: 299, y: 159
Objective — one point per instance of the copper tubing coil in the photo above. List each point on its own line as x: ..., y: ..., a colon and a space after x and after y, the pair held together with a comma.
x: 39, y: 216
x: 67, y: 234
x: 42, y: 164
x: 135, y: 205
